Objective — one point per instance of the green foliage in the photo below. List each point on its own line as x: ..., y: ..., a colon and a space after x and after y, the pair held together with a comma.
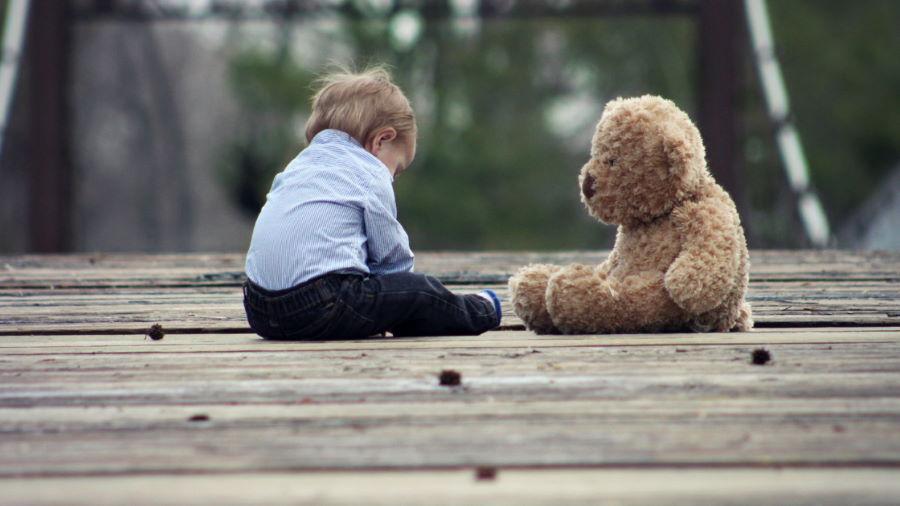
x: 272, y: 91
x: 492, y: 171
x: 269, y: 82
x: 506, y: 111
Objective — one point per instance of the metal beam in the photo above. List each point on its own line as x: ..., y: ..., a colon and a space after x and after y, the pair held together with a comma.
x: 720, y: 64
x: 123, y: 10
x: 50, y: 177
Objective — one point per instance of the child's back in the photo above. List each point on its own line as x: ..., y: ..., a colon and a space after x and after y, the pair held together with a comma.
x: 328, y: 258
x: 332, y: 209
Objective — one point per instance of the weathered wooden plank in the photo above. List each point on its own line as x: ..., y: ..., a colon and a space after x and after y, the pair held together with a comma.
x: 231, y: 343
x: 843, y: 346
x: 109, y: 414
x: 646, y: 372
x: 486, y: 261
x: 819, y: 288
x: 13, y: 302
x: 758, y: 292
x: 610, y: 406
x: 481, y: 267
x: 460, y: 439
x: 872, y: 354
x: 90, y: 418
x: 181, y: 292
x: 192, y: 321
x: 71, y: 375
x: 219, y: 308
x: 543, y: 385
x: 632, y: 487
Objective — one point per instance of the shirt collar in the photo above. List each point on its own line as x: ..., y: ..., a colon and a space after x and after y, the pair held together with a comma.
x: 331, y: 135
x: 334, y: 135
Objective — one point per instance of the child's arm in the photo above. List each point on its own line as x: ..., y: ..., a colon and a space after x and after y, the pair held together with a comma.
x: 386, y: 240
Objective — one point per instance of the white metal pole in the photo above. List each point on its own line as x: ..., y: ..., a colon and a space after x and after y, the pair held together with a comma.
x: 13, y: 32
x: 815, y: 221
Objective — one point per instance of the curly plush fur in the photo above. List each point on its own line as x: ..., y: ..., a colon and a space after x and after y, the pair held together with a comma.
x: 680, y: 260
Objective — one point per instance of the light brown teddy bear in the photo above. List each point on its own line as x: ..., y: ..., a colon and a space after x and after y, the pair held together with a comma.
x: 680, y: 260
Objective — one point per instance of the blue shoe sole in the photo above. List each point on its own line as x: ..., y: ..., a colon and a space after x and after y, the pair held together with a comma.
x: 496, y: 299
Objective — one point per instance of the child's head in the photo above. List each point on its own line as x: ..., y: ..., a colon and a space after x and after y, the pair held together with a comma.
x: 372, y: 109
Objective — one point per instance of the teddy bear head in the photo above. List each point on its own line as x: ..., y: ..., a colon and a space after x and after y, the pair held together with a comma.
x: 646, y: 157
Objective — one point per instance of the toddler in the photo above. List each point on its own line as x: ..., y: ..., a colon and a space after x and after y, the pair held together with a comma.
x: 328, y: 258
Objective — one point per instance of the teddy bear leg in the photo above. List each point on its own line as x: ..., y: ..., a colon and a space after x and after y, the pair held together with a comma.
x: 582, y: 301
x: 646, y: 305
x: 527, y: 291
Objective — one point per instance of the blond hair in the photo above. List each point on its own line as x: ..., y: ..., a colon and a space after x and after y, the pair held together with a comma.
x: 360, y: 104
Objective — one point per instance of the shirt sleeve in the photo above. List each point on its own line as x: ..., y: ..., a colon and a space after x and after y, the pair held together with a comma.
x: 386, y: 240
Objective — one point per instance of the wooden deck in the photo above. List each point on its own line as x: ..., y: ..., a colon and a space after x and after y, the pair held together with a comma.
x: 92, y: 411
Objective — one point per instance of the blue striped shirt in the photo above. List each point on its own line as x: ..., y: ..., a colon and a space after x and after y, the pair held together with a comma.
x: 331, y: 209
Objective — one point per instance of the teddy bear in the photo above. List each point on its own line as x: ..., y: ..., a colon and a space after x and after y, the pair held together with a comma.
x: 680, y: 260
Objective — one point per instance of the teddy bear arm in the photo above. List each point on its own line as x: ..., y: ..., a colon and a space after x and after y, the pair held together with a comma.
x: 703, y: 273
x: 610, y: 263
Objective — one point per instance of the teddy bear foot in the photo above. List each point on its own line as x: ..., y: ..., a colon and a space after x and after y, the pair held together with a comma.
x: 527, y: 291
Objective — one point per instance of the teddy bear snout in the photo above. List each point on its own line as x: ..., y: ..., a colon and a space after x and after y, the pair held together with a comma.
x: 587, y: 186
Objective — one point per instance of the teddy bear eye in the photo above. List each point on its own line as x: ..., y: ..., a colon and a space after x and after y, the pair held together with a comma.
x: 610, y: 161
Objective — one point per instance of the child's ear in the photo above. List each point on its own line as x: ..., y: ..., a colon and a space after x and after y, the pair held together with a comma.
x: 386, y: 134
x: 389, y: 134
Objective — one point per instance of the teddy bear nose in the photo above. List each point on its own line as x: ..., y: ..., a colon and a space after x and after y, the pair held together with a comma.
x: 587, y: 186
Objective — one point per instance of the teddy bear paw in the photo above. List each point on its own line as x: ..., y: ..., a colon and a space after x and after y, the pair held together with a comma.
x: 527, y: 292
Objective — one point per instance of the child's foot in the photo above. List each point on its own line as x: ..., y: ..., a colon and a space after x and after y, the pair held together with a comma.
x: 492, y: 296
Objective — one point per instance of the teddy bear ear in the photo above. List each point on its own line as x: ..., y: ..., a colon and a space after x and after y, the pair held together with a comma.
x: 685, y: 158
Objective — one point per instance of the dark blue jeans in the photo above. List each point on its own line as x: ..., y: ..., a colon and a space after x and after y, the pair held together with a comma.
x: 353, y: 306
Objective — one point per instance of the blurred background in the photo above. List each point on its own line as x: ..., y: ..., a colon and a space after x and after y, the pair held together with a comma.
x: 141, y: 125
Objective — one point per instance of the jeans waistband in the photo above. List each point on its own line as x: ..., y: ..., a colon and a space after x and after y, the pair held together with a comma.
x: 299, y: 298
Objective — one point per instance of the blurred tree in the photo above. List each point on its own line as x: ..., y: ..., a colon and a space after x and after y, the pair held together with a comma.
x: 843, y: 71
x: 507, y: 107
x: 506, y: 110
x: 271, y: 90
